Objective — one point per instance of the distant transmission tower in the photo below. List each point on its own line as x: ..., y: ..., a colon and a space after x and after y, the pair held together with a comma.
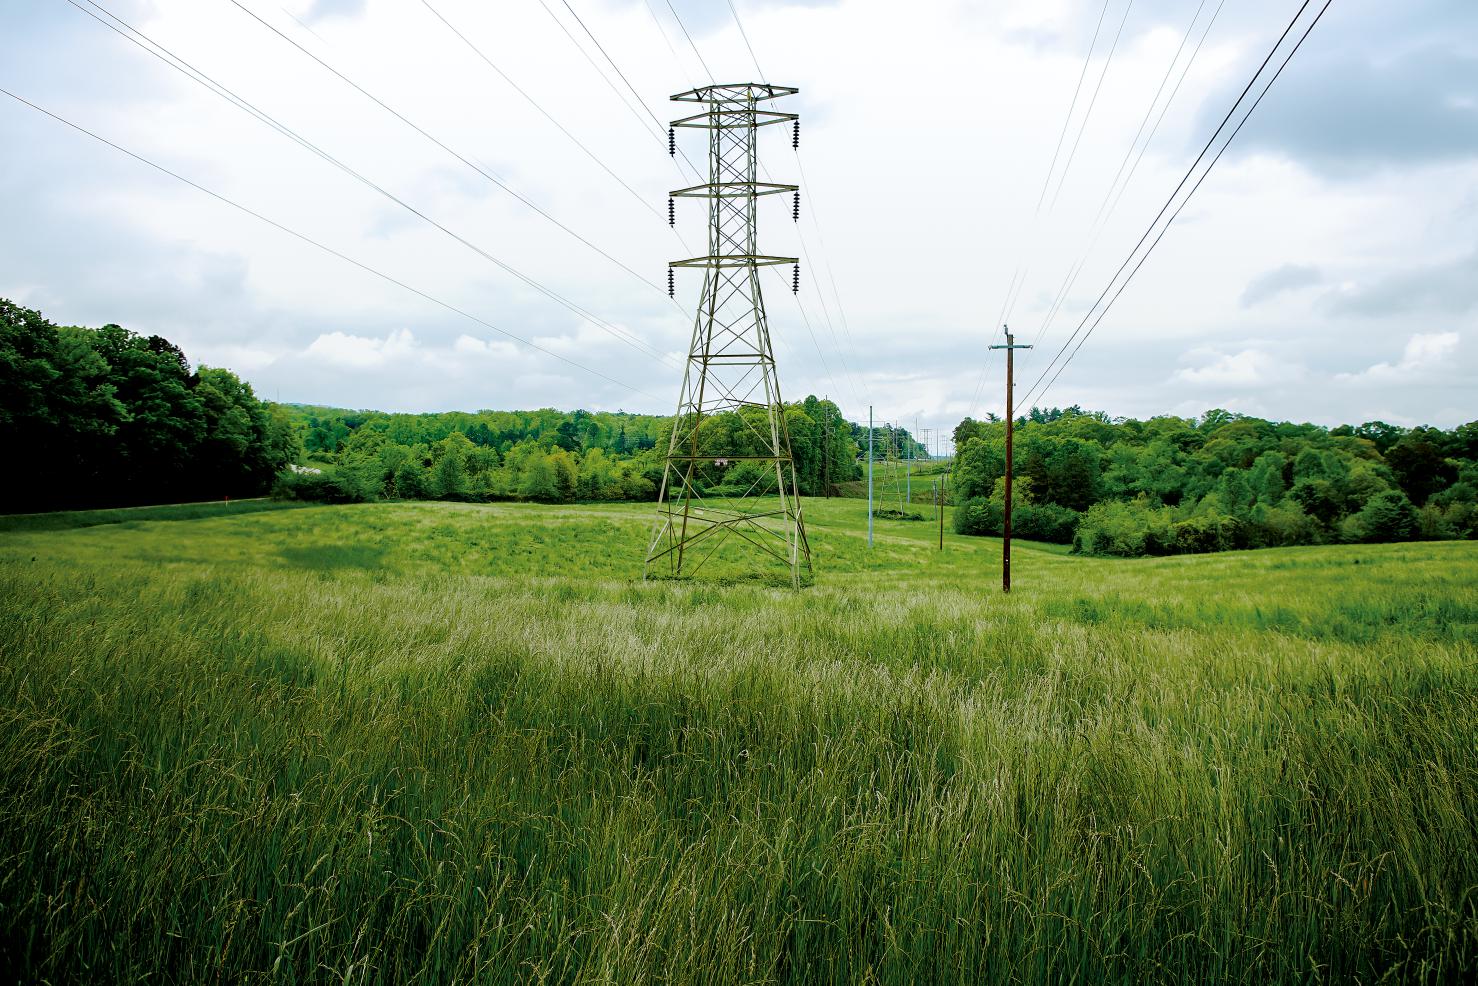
x: 729, y: 470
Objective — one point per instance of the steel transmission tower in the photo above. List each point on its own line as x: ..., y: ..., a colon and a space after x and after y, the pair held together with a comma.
x: 729, y: 472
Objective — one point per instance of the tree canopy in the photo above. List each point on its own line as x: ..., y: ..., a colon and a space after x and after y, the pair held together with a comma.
x: 548, y: 455
x: 106, y: 417
x: 1169, y: 485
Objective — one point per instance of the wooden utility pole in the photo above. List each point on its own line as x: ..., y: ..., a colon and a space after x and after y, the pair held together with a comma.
x: 939, y: 509
x: 1010, y: 348
x: 825, y: 455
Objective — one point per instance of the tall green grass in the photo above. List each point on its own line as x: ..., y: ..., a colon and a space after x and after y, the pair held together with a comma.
x: 61, y: 520
x: 435, y: 743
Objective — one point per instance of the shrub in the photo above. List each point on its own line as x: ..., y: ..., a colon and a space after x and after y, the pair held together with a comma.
x: 1277, y: 525
x: 1126, y: 528
x: 1207, y: 532
x: 314, y: 488
x: 978, y: 516
x: 1389, y: 516
x: 1044, y: 522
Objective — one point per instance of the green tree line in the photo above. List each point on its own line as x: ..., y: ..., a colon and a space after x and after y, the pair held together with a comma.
x: 1168, y: 485
x: 549, y: 456
x: 105, y: 417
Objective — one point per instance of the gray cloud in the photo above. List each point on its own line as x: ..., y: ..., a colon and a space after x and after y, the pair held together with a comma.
x: 1279, y: 280
x: 335, y: 8
x: 1449, y: 289
x: 1377, y: 85
x: 100, y: 238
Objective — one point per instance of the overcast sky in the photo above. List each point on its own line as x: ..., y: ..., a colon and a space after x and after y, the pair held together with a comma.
x: 1327, y: 270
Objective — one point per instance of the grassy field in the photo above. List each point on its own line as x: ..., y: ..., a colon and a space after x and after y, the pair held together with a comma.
x: 402, y: 743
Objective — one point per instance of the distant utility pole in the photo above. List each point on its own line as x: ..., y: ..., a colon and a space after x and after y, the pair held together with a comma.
x: 869, y: 475
x: 1010, y: 348
x: 908, y: 471
x: 939, y: 511
x: 825, y: 457
x: 730, y: 369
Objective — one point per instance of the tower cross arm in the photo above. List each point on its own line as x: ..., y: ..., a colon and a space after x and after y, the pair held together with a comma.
x: 734, y: 118
x: 734, y: 91
x: 732, y: 190
x: 734, y: 260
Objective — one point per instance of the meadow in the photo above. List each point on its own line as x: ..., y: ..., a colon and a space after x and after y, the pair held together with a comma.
x: 436, y: 742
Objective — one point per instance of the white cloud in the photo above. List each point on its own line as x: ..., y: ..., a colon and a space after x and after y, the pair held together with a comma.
x: 918, y: 272
x: 361, y: 352
x: 1247, y: 368
x: 1424, y: 352
x: 240, y: 358
x: 483, y: 348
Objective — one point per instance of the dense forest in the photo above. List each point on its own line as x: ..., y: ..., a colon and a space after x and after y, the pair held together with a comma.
x: 104, y: 417
x: 547, y: 455
x: 1172, y: 485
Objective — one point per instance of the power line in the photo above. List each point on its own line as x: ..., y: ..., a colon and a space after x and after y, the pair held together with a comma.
x: 1155, y: 101
x: 652, y: 12
x: 1067, y: 120
x: 1077, y: 140
x: 201, y: 78
x: 639, y: 101
x: 1205, y: 173
x: 326, y: 249
x: 1164, y: 109
x: 1105, y: 209
x: 745, y: 35
x: 603, y: 77
x: 1097, y: 88
x: 657, y: 23
x: 684, y: 28
x: 1023, y: 267
x: 475, y: 167
x: 1189, y: 171
x: 546, y: 114
x: 812, y: 210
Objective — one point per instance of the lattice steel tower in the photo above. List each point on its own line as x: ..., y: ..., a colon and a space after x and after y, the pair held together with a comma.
x: 729, y: 469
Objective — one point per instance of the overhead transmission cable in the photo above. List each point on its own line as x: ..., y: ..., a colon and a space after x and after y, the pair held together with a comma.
x: 1023, y: 266
x: 545, y: 113
x: 811, y: 267
x: 639, y: 101
x: 1115, y: 192
x: 439, y: 143
x: 684, y: 28
x: 1180, y: 81
x: 820, y: 241
x: 1037, y: 388
x: 563, y: 129
x: 1097, y: 89
x: 745, y: 35
x: 147, y: 44
x: 1072, y: 107
x: 321, y: 246
x: 1077, y: 140
x: 603, y: 77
